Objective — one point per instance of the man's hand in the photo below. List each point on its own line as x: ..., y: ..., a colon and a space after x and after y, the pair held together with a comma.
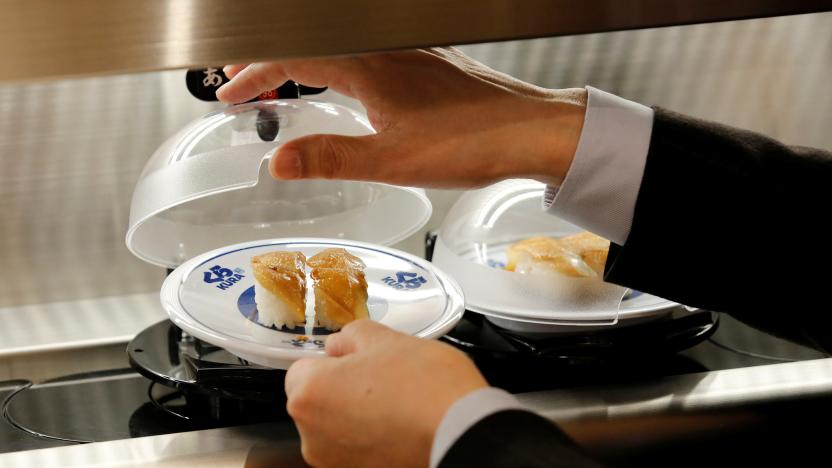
x: 443, y: 120
x: 378, y: 398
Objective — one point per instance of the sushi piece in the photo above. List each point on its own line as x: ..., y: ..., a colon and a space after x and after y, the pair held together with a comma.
x: 592, y: 248
x: 280, y: 288
x: 546, y: 255
x: 340, y: 288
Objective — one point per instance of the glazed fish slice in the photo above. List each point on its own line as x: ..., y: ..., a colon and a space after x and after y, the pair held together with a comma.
x: 340, y: 288
x: 545, y: 255
x: 592, y: 248
x: 280, y: 288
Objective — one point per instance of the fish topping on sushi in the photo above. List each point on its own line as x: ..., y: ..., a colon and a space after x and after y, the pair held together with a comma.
x: 340, y: 288
x: 592, y: 248
x: 280, y: 288
x: 545, y: 255
x: 579, y: 255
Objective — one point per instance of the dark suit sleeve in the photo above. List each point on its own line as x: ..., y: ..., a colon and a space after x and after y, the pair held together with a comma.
x: 733, y: 221
x: 726, y: 220
x: 517, y: 439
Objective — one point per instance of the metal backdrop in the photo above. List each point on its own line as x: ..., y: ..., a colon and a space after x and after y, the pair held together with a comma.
x: 47, y: 38
x: 71, y: 150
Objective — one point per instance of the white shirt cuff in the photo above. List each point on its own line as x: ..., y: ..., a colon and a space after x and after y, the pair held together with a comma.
x: 464, y: 414
x: 600, y: 189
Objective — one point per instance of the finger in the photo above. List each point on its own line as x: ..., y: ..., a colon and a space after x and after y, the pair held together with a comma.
x: 338, y: 345
x: 354, y: 336
x: 340, y: 74
x: 300, y: 372
x: 327, y: 157
x: 251, y: 81
x: 232, y: 70
x: 365, y: 331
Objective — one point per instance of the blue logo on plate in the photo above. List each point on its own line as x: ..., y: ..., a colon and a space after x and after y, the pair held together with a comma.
x: 495, y: 264
x: 405, y: 280
x: 632, y: 294
x: 222, y: 278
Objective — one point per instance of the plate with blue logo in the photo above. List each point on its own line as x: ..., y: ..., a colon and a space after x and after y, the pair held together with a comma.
x: 212, y: 298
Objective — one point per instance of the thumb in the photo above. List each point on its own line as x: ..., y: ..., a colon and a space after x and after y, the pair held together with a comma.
x: 354, y: 336
x: 338, y: 344
x: 326, y: 157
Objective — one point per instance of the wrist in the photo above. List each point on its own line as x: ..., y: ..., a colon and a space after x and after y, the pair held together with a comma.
x: 463, y: 380
x: 433, y: 418
x: 563, y: 124
x: 430, y: 430
x: 465, y: 413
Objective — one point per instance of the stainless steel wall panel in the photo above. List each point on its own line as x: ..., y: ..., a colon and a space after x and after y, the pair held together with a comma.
x: 70, y: 154
x: 71, y: 150
x: 47, y: 38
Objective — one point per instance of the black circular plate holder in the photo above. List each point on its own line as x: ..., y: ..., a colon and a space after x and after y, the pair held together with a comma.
x: 520, y: 363
x: 213, y: 382
x: 223, y: 386
x: 477, y: 335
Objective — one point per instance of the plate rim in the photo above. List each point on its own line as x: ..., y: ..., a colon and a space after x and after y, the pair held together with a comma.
x: 623, y: 313
x: 171, y: 303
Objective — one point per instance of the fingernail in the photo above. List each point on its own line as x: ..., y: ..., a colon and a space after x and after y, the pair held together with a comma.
x: 287, y: 165
x: 220, y: 93
x: 225, y: 70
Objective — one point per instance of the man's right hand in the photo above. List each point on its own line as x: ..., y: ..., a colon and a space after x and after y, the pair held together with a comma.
x: 377, y: 398
x: 442, y: 120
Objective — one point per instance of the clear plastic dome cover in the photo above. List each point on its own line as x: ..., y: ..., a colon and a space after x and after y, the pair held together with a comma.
x: 472, y: 247
x: 208, y: 186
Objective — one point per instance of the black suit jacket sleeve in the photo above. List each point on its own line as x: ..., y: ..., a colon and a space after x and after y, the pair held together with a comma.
x: 726, y: 220
x: 733, y: 221
x: 517, y: 439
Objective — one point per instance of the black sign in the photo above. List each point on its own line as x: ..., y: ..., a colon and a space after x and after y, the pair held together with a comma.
x: 204, y: 82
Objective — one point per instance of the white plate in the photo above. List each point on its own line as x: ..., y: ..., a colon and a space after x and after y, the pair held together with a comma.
x: 635, y: 305
x: 636, y: 308
x: 212, y: 298
x: 472, y: 244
